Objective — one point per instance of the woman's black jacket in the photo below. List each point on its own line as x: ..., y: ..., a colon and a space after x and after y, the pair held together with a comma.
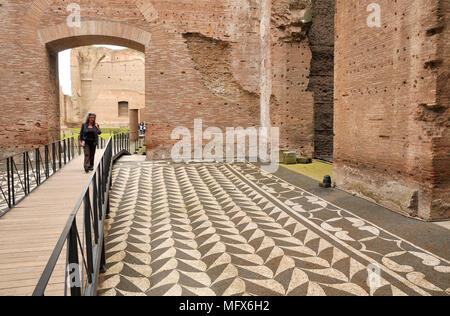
x: 85, y: 129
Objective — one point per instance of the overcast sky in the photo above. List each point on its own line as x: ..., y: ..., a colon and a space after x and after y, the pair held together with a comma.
x: 64, y: 68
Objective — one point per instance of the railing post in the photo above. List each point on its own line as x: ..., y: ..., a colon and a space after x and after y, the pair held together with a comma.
x: 47, y: 171
x: 103, y: 258
x: 38, y: 166
x: 60, y: 154
x: 102, y: 163
x: 69, y: 150
x: 54, y: 157
x: 65, y: 156
x: 96, y: 208
x: 108, y: 210
x: 100, y: 191
x: 25, y: 177
x: 27, y: 155
x: 73, y: 267
x: 8, y: 166
x: 88, y: 236
x: 72, y: 147
x: 13, y: 185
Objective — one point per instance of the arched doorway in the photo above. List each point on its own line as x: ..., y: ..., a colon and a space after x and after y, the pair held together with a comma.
x: 62, y: 37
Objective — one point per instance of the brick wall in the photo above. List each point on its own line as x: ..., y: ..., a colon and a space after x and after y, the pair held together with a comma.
x: 179, y: 86
x: 292, y: 105
x: 212, y: 60
x: 391, y: 111
x: 118, y: 76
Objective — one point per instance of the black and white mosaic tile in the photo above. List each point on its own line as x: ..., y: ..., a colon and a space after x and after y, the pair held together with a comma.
x: 219, y: 229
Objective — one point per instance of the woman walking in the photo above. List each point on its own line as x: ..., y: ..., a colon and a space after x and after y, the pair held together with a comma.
x: 89, y: 140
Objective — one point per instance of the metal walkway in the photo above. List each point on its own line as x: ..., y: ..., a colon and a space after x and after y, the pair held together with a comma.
x: 55, y: 232
x: 30, y: 231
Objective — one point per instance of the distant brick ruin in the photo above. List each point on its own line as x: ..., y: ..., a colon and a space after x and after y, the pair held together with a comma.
x: 375, y: 100
x: 106, y: 82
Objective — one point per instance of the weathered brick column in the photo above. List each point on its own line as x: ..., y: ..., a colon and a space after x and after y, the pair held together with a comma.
x: 88, y: 60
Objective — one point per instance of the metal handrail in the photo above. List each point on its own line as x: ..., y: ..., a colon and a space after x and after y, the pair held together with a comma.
x: 23, y: 173
x: 85, y: 252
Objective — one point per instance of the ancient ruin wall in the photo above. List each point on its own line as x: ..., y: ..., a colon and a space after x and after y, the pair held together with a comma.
x: 292, y: 105
x: 212, y: 59
x: 391, y: 111
x: 66, y: 109
x: 176, y: 84
x: 321, y: 79
x: 175, y: 91
x: 117, y: 76
x: 440, y: 195
x: 211, y: 39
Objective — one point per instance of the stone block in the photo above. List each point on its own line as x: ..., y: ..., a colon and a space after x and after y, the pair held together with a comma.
x: 290, y: 158
x: 304, y: 161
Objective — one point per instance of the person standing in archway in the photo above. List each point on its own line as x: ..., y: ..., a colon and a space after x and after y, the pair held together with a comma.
x: 89, y: 140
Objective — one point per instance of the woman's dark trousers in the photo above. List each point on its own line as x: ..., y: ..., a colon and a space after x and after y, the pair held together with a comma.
x: 89, y: 155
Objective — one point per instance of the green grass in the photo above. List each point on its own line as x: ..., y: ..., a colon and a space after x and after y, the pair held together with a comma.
x: 316, y: 170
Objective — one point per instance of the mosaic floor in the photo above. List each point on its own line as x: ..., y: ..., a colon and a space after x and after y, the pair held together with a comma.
x: 218, y: 229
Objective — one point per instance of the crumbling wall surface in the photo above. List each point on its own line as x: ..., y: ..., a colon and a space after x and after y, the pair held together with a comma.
x: 321, y: 80
x: 391, y: 112
x: 176, y: 89
x: 212, y: 59
x: 292, y: 106
x: 181, y: 81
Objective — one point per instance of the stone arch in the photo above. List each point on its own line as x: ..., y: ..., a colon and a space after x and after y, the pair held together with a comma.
x: 60, y: 37
x: 37, y: 9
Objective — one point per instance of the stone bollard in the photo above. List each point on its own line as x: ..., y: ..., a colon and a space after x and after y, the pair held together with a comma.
x: 326, y: 182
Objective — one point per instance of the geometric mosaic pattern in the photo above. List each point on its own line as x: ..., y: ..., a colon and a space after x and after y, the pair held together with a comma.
x: 420, y: 267
x: 220, y: 229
